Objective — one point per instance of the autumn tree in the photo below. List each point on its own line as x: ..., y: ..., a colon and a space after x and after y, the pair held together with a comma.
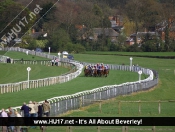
x: 134, y: 11
x: 144, y: 13
x: 14, y: 21
x: 168, y: 16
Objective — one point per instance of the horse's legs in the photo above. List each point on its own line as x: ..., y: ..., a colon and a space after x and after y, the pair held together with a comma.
x: 90, y: 72
x: 106, y: 75
x: 100, y: 73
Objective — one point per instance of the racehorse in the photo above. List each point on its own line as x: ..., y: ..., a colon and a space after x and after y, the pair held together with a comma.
x: 105, y: 72
x: 95, y: 74
x: 99, y: 73
x: 86, y: 72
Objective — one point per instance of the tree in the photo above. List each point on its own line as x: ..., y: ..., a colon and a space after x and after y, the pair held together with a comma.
x: 67, y: 14
x: 47, y: 14
x: 13, y: 22
x: 59, y: 40
x: 168, y: 17
x: 144, y: 13
x: 152, y: 13
x: 134, y: 11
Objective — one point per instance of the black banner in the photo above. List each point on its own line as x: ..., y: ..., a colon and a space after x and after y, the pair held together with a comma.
x: 87, y: 121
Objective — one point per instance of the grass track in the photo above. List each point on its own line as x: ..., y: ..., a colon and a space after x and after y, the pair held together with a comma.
x: 164, y: 91
x: 20, y: 55
x: 81, y: 83
x: 18, y: 72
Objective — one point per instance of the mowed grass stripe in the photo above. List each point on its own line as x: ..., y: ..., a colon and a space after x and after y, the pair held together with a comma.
x: 81, y: 83
x: 164, y: 91
x: 165, y: 68
x: 20, y: 55
x: 11, y: 73
x: 132, y: 53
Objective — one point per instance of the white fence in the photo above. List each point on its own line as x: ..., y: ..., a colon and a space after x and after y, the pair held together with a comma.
x: 18, y: 86
x: 62, y: 104
x: 15, y: 87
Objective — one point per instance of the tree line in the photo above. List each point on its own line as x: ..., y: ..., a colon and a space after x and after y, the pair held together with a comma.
x: 69, y: 23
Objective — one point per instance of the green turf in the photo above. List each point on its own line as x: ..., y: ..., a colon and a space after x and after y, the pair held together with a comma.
x: 2, y: 52
x: 165, y: 68
x: 111, y: 109
x: 18, y: 72
x: 132, y: 53
x: 164, y: 91
x: 71, y: 87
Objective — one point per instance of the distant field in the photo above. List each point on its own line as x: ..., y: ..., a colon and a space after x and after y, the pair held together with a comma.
x: 133, y: 53
x: 20, y: 55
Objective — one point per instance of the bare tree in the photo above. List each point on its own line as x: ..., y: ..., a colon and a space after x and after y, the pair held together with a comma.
x: 67, y: 13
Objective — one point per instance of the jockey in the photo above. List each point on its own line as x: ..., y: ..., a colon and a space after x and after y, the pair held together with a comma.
x: 99, y: 67
x: 89, y: 66
x: 102, y: 66
x: 86, y: 67
x: 107, y: 67
x: 95, y: 67
x: 92, y: 67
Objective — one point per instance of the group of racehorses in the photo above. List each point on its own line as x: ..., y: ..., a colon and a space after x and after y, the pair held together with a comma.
x: 96, y: 72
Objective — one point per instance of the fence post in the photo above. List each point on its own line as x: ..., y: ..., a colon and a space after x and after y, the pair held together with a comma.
x: 80, y: 98
x: 119, y: 107
x: 100, y: 106
x: 159, y: 107
x: 123, y: 128
x: 126, y: 128
x: 139, y: 107
x: 98, y: 128
x: 69, y: 128
x: 154, y: 129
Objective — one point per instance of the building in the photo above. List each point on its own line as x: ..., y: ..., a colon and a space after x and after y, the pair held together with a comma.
x: 161, y: 27
x: 140, y: 37
x: 116, y: 23
x: 107, y: 32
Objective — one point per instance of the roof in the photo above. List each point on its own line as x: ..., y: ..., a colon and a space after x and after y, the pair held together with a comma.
x: 107, y: 31
x: 36, y: 34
